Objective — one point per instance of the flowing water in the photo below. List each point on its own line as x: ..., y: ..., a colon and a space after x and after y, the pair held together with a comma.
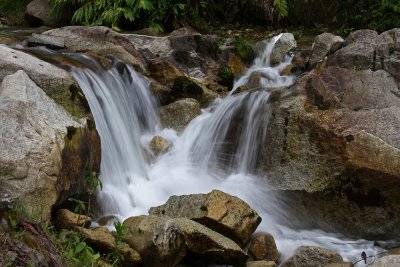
x: 216, y: 151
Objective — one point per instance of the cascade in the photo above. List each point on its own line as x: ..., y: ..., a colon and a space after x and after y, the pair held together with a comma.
x: 218, y: 150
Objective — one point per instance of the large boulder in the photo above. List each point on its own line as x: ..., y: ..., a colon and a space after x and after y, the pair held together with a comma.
x: 159, y: 240
x: 282, y: 46
x: 179, y: 114
x: 209, y: 244
x: 388, y: 52
x: 387, y: 261
x: 44, y: 152
x: 323, y: 44
x: 217, y: 210
x: 101, y: 40
x: 335, y: 145
x: 40, y: 11
x: 312, y: 257
x: 56, y: 82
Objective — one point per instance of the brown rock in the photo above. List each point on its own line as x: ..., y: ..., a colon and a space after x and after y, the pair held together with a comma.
x: 103, y: 240
x: 69, y: 220
x: 217, y: 210
x: 164, y: 71
x: 260, y: 264
x: 159, y: 145
x: 262, y: 247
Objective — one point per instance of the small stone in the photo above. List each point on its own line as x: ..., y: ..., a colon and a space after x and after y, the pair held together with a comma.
x: 69, y: 220
x: 159, y: 145
x: 309, y: 256
x: 262, y: 247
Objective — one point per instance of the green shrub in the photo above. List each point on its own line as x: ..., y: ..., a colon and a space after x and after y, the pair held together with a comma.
x: 13, y: 11
x: 243, y: 49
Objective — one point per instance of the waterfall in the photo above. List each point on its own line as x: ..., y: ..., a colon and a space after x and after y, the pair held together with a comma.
x: 218, y: 150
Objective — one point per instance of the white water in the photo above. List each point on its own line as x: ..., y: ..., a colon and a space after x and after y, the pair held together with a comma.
x: 216, y: 151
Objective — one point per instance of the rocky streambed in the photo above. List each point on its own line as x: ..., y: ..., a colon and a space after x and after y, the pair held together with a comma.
x: 332, y: 152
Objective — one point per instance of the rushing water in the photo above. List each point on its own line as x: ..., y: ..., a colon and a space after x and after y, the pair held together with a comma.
x: 216, y: 151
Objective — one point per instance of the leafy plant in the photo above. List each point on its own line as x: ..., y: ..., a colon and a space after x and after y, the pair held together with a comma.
x: 115, y: 256
x: 14, y: 11
x: 80, y: 205
x: 243, y: 49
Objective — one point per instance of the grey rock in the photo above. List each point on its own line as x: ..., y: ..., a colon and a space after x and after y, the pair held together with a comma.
x: 159, y: 240
x: 159, y: 46
x: 262, y: 247
x: 368, y: 36
x: 217, y: 210
x: 388, y: 52
x: 282, y: 46
x: 387, y: 261
x: 41, y: 10
x: 32, y: 138
x: 178, y: 114
x: 52, y: 42
x: 357, y: 56
x: 56, y: 82
x: 312, y: 257
x: 324, y: 44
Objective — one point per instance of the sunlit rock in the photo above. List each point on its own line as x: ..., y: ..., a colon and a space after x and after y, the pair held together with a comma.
x: 262, y: 247
x: 312, y: 257
x: 217, y: 210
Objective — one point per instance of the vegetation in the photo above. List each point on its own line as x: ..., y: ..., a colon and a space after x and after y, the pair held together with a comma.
x: 243, y: 49
x: 158, y: 14
x: 13, y: 11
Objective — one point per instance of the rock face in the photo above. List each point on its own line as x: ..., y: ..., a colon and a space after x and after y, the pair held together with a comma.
x: 387, y: 261
x: 211, y: 245
x: 282, y: 46
x: 39, y: 145
x: 334, y: 138
x: 323, y: 44
x: 159, y: 240
x: 217, y: 210
x: 312, y: 257
x: 262, y: 247
x: 178, y: 114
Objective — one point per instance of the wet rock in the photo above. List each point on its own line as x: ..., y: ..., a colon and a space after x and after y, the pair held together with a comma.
x: 69, y: 220
x: 312, y: 257
x: 262, y: 247
x: 159, y: 145
x: 178, y: 114
x: 102, y: 239
x: 51, y: 42
x: 101, y: 40
x: 159, y: 240
x: 211, y: 245
x: 56, y: 82
x: 39, y: 148
x: 159, y: 46
x: 387, y: 261
x: 217, y: 210
x: 7, y: 41
x: 260, y: 264
x: 323, y: 44
x: 282, y: 46
x: 164, y: 71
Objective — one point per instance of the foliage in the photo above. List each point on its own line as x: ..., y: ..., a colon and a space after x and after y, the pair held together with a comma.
x: 142, y: 13
x: 13, y: 10
x: 115, y: 256
x: 243, y: 49
x: 227, y: 77
x: 76, y: 250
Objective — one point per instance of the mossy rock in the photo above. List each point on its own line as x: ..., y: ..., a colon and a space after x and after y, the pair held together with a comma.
x: 184, y: 87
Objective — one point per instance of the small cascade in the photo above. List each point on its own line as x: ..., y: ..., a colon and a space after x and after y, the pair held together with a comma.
x: 220, y: 149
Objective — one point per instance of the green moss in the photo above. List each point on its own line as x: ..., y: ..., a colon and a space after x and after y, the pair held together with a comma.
x: 243, y: 49
x: 227, y: 77
x: 13, y: 11
x: 4, y: 171
x: 184, y: 87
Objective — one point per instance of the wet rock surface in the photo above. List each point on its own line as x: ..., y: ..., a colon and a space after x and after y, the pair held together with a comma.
x: 178, y: 114
x: 312, y: 257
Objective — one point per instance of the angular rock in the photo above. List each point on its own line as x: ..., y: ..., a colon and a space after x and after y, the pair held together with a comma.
x: 159, y: 240
x: 262, y: 247
x: 217, y: 210
x: 312, y: 257
x: 39, y: 143
x: 101, y: 40
x: 178, y: 114
x: 159, y: 46
x: 211, y: 245
x: 164, y: 71
x: 357, y: 56
x: 69, y: 220
x: 56, y: 82
x: 41, y: 11
x: 388, y: 52
x: 387, y: 261
x: 323, y: 44
x: 103, y: 240
x: 260, y: 264
x: 159, y: 145
x: 362, y: 36
x: 46, y: 40
x: 282, y: 46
